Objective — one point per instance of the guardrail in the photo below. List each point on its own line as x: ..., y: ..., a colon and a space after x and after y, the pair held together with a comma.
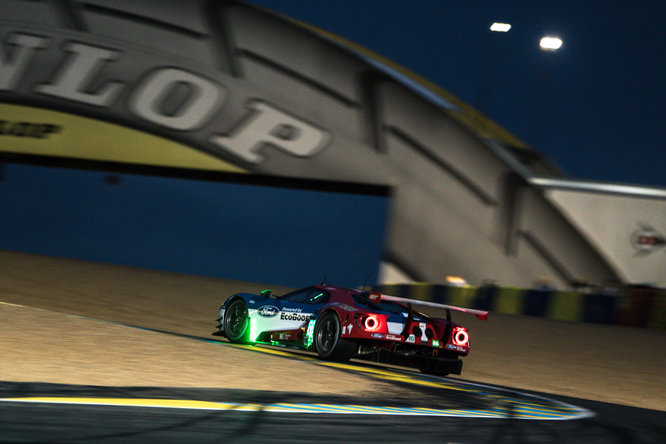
x: 634, y: 306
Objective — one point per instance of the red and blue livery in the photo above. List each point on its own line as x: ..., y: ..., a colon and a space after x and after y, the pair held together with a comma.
x: 340, y: 323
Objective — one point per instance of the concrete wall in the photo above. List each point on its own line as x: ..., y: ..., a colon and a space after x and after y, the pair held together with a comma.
x: 614, y: 224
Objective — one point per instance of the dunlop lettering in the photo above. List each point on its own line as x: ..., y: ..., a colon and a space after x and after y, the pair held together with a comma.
x: 78, y: 71
x: 170, y: 97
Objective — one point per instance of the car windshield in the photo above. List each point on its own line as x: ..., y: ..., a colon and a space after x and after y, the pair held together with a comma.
x: 309, y: 295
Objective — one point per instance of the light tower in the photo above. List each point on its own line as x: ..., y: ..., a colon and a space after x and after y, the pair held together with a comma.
x: 488, y: 64
x: 547, y: 44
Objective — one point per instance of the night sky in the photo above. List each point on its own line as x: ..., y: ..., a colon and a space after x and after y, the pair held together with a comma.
x: 278, y: 236
x: 596, y: 107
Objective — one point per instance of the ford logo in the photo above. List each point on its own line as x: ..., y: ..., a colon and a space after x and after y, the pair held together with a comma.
x: 268, y: 311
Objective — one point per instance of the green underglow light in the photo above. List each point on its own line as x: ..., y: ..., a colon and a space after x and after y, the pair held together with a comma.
x: 309, y: 334
x: 253, y: 330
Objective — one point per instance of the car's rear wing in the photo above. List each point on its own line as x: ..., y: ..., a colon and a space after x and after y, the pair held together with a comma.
x: 480, y: 314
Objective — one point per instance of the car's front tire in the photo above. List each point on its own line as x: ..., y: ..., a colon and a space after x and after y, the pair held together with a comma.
x: 237, y: 322
x: 328, y: 342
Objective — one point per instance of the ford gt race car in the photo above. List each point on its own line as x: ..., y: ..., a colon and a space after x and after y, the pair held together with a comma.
x: 339, y: 323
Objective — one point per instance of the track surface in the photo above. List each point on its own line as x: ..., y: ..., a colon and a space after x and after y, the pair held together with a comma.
x: 36, y: 422
x: 48, y: 346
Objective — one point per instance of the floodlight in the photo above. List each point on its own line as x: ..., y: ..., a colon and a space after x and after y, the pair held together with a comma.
x: 500, y: 27
x: 550, y: 43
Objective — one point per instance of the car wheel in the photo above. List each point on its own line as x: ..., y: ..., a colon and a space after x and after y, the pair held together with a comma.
x: 236, y: 322
x: 328, y: 343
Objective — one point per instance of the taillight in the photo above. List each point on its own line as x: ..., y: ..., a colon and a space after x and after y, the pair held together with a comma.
x: 371, y: 323
x: 460, y: 336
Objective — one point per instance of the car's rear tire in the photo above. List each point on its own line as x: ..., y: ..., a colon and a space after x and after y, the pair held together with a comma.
x: 328, y: 342
x: 237, y: 322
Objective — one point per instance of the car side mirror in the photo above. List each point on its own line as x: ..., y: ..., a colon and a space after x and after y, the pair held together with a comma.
x: 266, y: 293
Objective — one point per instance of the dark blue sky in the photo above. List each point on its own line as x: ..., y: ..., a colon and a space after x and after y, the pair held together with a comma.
x: 290, y: 237
x: 600, y: 109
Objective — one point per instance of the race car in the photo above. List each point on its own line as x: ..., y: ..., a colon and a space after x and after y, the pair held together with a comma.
x: 340, y: 323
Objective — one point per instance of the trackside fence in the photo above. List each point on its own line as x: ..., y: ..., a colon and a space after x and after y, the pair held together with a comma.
x: 634, y: 306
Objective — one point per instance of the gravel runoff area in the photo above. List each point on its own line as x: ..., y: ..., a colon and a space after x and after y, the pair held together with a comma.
x: 42, y: 342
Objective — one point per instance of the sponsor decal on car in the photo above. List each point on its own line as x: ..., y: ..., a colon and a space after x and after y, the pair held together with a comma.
x: 294, y: 317
x: 309, y: 333
x: 377, y: 335
x: 268, y: 311
x: 455, y: 347
x: 394, y: 338
x: 375, y: 296
x: 292, y: 309
x: 411, y: 339
x: 435, y: 343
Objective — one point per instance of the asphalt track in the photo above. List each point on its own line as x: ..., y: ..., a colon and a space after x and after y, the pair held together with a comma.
x: 427, y: 409
x: 41, y: 421
x: 463, y: 412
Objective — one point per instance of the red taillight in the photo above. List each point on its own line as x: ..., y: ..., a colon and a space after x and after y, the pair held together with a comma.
x: 371, y: 323
x: 460, y: 336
